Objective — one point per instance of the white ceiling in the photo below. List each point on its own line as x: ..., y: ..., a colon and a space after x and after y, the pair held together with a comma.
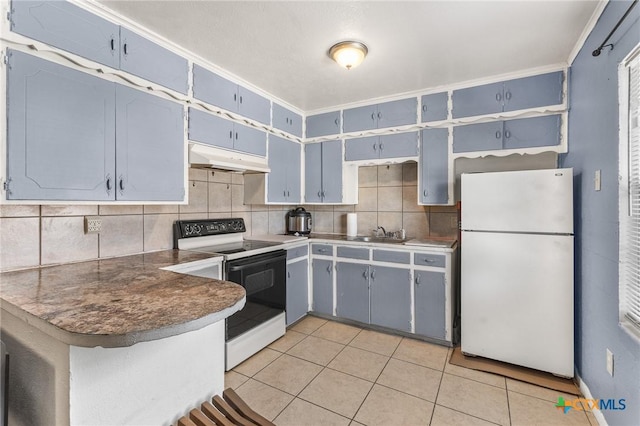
x: 281, y: 46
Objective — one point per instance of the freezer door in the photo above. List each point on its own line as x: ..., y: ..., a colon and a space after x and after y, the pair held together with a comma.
x: 517, y: 299
x: 523, y: 201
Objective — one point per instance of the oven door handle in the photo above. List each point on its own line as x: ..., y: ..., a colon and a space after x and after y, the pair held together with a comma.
x: 234, y: 268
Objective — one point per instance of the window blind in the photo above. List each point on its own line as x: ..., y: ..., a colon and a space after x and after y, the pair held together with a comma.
x: 630, y: 219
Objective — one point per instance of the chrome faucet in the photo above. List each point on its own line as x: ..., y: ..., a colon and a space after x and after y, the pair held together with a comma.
x: 377, y: 231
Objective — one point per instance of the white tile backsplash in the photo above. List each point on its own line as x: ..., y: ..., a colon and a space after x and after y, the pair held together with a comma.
x: 121, y: 235
x: 11, y: 210
x: 158, y: 231
x: 19, y: 242
x: 63, y: 240
x: 71, y: 210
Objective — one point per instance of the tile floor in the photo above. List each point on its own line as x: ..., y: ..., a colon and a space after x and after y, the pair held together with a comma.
x: 327, y: 373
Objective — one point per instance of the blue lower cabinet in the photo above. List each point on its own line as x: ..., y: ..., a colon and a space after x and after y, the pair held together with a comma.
x: 430, y: 300
x: 297, y: 290
x: 322, y: 271
x: 391, y: 297
x: 352, y: 289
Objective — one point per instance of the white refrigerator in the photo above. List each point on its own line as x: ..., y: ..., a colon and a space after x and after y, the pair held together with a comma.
x: 517, y: 268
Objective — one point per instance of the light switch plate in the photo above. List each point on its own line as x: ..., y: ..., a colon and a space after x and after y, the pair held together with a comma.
x: 597, y: 180
x: 610, y: 362
x: 92, y: 224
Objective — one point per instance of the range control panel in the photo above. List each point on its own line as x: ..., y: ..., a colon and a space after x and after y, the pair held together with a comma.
x: 201, y: 228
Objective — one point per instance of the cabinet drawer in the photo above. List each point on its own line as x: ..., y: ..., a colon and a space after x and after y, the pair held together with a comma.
x: 354, y: 252
x: 428, y: 259
x: 323, y: 249
x: 392, y: 256
x: 292, y: 253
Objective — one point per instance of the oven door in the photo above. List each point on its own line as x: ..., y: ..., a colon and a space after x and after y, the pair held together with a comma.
x: 263, y: 277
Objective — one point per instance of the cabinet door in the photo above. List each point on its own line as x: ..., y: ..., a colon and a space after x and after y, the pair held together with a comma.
x: 435, y: 107
x: 362, y: 148
x: 391, y: 297
x: 478, y: 137
x: 397, y: 113
x: 531, y: 92
x: 332, y: 172
x: 361, y: 118
x: 479, y: 100
x: 352, y: 296
x: 278, y: 163
x: 69, y: 27
x: 146, y: 59
x: 60, y: 132
x: 430, y: 300
x: 149, y: 147
x: 434, y: 166
x: 287, y: 120
x: 398, y: 145
x: 313, y: 172
x: 250, y: 140
x: 322, y: 286
x: 323, y: 124
x: 294, y: 172
x: 210, y: 129
x: 254, y: 106
x: 532, y: 132
x: 213, y: 89
x: 297, y: 291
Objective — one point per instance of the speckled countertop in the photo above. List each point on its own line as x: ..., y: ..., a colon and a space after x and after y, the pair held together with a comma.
x: 119, y: 301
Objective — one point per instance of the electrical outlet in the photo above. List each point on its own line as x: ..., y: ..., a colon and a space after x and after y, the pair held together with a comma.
x: 610, y: 362
x: 92, y: 224
x: 597, y: 180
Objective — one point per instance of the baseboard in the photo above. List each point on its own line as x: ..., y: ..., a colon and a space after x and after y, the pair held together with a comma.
x: 587, y: 394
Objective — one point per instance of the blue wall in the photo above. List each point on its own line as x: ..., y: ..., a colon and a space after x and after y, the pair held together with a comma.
x: 593, y: 145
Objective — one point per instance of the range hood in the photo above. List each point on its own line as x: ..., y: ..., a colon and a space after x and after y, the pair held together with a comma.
x: 212, y: 157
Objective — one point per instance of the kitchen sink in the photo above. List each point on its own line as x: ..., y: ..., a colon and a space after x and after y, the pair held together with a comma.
x: 377, y: 239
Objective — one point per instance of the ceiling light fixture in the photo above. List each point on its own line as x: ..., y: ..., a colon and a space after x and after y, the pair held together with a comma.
x: 348, y: 54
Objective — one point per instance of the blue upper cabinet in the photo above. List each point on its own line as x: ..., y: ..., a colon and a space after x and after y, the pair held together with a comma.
x: 284, y: 179
x: 520, y: 133
x: 287, y: 120
x: 512, y: 95
x: 434, y: 166
x: 66, y: 26
x: 152, y: 62
x: 149, y: 147
x: 213, y: 130
x: 323, y: 172
x: 387, y: 114
x: 532, y: 92
x: 216, y: 90
x: 485, y: 99
x: 387, y: 146
x: 60, y: 132
x: 324, y: 124
x: 75, y: 137
x: 435, y: 107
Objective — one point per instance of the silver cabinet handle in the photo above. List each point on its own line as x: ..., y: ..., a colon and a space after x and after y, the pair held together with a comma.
x: 375, y: 146
x: 322, y: 194
x: 108, y: 183
x: 230, y: 134
x: 381, y: 146
x: 288, y: 194
x: 365, y: 275
x: 427, y: 260
x: 124, y: 48
x: 498, y: 134
x: 288, y: 274
x: 507, y: 134
x: 235, y: 97
x: 379, y: 115
x: 507, y: 95
x: 424, y: 192
x: 284, y: 192
x: 373, y: 274
x: 322, y: 250
x: 373, y: 115
x: 498, y: 96
x: 424, y: 108
x: 240, y: 99
x: 417, y: 279
x: 329, y: 269
x: 113, y: 44
x: 319, y: 194
x: 336, y: 122
x: 121, y: 183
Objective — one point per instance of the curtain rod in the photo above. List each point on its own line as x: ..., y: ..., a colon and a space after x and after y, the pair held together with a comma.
x: 604, y: 43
